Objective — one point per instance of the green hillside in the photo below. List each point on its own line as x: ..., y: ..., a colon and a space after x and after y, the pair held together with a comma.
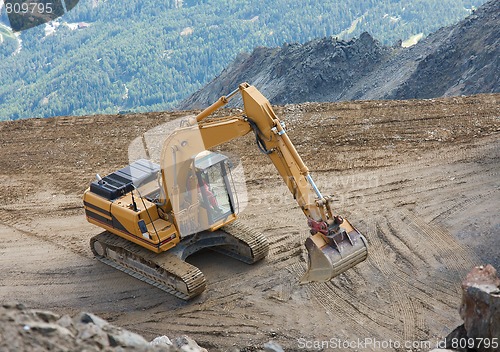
x: 144, y: 55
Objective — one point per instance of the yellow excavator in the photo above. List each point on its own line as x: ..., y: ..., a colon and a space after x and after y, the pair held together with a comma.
x: 156, y: 215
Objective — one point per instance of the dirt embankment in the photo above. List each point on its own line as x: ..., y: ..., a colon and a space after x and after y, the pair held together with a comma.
x: 418, y: 178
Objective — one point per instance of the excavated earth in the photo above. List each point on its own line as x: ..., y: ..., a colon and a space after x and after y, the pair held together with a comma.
x: 419, y: 178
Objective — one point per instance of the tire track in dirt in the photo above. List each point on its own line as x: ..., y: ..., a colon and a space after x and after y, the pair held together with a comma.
x: 276, y: 243
x: 337, y: 298
x: 427, y: 254
x: 429, y: 250
x: 328, y: 302
x: 283, y: 255
x: 16, y: 223
x: 415, y: 253
x: 432, y: 157
x: 376, y: 254
x: 402, y: 305
x: 458, y: 206
x: 424, y: 250
x: 411, y: 298
x: 219, y: 316
x: 453, y: 253
x: 209, y: 304
x: 411, y: 190
x: 404, y: 308
x: 343, y: 293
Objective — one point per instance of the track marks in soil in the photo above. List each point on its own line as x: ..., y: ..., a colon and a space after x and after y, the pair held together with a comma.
x: 392, y: 183
x: 451, y: 253
x: 462, y: 204
x: 217, y: 315
x: 76, y: 245
x: 403, y: 249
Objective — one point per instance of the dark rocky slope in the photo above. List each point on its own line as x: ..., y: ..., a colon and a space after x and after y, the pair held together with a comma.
x: 457, y: 60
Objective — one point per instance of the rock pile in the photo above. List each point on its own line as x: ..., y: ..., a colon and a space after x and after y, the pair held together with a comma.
x: 320, y: 70
x: 23, y: 329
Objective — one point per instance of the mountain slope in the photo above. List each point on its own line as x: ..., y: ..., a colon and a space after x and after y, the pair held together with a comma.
x: 465, y: 62
x: 320, y: 70
x: 150, y: 55
x: 459, y: 59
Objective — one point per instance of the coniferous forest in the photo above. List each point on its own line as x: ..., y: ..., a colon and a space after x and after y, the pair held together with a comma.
x: 109, y: 56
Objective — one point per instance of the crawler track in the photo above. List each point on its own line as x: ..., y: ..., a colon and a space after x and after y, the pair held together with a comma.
x: 165, y: 270
x: 253, y: 246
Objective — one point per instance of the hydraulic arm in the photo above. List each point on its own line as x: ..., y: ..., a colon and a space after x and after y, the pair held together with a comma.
x: 154, y: 216
x: 335, y: 245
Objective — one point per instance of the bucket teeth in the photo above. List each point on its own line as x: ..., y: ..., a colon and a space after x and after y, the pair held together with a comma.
x: 326, y: 261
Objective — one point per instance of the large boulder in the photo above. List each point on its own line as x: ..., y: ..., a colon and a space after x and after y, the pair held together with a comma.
x: 480, y: 308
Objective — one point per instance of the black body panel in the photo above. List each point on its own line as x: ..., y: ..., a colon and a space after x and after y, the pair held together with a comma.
x: 123, y: 181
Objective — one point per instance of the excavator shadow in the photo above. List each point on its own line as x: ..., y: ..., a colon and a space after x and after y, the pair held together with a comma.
x: 217, y: 267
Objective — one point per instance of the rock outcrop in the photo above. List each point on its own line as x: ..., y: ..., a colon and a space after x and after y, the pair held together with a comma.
x: 320, y: 70
x: 480, y: 309
x: 30, y: 330
x: 23, y: 329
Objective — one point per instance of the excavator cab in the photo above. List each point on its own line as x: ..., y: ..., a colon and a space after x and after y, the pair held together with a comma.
x: 214, y: 188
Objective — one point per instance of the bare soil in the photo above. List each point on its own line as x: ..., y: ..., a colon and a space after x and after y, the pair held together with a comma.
x: 419, y: 178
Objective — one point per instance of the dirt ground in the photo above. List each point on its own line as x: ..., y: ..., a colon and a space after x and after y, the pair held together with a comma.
x: 419, y: 178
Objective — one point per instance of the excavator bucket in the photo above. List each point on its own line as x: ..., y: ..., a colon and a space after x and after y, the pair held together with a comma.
x: 329, y: 256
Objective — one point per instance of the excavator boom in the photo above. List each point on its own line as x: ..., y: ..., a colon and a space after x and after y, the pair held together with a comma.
x: 335, y: 245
